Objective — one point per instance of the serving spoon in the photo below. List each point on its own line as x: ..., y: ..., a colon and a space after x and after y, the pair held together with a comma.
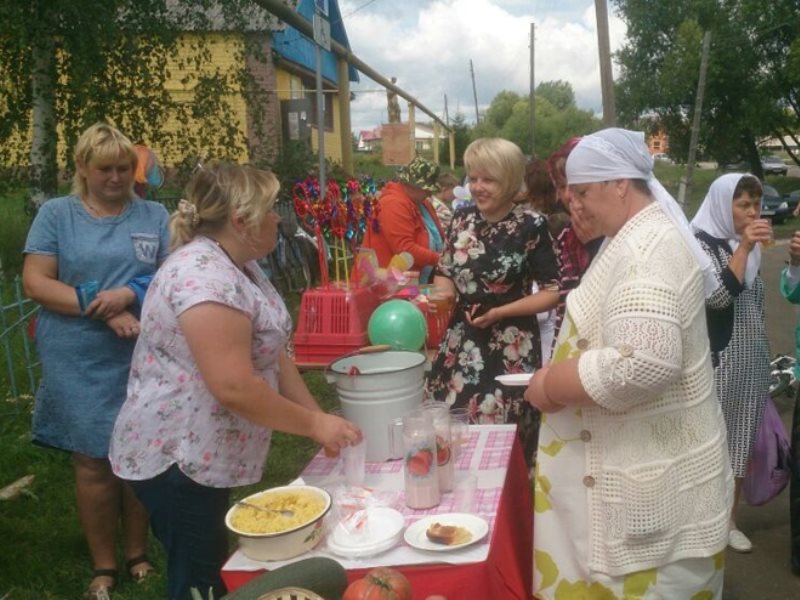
x: 283, y: 512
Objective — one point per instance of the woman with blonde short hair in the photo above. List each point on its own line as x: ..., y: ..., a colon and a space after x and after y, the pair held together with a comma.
x: 88, y: 259
x: 211, y: 377
x: 494, y: 252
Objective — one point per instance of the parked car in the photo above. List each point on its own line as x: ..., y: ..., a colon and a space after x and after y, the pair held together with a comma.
x: 774, y: 165
x: 792, y: 199
x: 774, y: 207
x: 663, y: 158
x: 739, y: 166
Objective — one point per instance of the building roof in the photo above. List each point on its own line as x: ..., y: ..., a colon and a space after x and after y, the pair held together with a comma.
x: 295, y: 47
x: 370, y: 135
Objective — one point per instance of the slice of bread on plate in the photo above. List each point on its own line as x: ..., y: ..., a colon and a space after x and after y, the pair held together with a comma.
x: 449, y: 535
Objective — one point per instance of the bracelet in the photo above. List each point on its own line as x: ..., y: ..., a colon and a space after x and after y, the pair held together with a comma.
x: 544, y: 389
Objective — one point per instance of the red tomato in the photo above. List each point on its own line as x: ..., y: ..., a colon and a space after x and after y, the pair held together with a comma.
x: 418, y: 466
x: 426, y: 455
x: 379, y: 584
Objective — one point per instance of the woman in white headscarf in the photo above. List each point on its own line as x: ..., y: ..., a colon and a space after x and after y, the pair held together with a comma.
x: 729, y: 229
x: 633, y: 482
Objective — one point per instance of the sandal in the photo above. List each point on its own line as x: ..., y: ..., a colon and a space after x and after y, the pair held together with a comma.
x: 101, y: 591
x: 144, y: 571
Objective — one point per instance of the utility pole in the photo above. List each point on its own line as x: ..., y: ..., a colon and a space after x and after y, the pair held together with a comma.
x: 606, y: 76
x: 322, y: 39
x: 685, y: 188
x: 474, y: 91
x: 532, y: 101
x: 446, y: 113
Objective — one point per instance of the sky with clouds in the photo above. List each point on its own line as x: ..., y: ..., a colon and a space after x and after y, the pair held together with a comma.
x: 428, y: 44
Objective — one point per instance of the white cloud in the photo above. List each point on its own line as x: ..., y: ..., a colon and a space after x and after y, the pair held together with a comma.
x: 427, y: 45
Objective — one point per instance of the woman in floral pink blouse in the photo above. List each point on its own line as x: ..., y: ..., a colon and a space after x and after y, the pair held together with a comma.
x: 210, y: 377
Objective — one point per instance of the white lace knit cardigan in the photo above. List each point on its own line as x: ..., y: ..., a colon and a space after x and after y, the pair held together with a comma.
x: 658, y: 477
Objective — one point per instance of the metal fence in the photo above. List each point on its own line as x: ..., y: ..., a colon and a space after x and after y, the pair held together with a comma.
x: 20, y: 373
x: 292, y: 267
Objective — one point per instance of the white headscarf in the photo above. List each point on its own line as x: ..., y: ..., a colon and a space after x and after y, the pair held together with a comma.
x: 715, y: 217
x: 615, y: 153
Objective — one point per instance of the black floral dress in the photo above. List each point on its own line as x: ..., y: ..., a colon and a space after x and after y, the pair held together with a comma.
x: 492, y: 264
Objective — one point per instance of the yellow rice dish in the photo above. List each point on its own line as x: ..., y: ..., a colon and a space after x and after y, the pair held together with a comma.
x: 305, y: 505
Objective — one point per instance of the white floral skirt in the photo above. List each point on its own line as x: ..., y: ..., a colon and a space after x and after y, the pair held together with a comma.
x: 561, y: 523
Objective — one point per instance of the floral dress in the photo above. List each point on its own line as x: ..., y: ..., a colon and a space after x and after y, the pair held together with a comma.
x: 492, y: 264
x: 561, y: 521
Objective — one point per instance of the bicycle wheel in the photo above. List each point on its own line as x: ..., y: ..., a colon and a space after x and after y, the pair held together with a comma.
x: 778, y: 386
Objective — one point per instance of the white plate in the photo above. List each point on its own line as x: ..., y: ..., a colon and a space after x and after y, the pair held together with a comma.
x: 415, y: 534
x: 515, y: 378
x: 385, y: 526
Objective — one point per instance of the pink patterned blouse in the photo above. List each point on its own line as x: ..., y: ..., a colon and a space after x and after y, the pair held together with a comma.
x: 170, y: 416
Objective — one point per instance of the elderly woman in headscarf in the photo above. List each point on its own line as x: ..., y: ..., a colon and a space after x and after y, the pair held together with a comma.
x: 729, y: 229
x: 407, y: 221
x: 633, y: 486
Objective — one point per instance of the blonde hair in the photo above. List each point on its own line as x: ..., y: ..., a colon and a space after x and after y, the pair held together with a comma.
x: 219, y: 191
x: 500, y: 159
x: 102, y: 143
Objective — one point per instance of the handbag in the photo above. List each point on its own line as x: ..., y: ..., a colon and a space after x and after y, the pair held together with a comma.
x: 770, y: 467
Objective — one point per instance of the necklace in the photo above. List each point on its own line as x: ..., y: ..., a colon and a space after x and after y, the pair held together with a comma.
x: 100, y: 213
x: 230, y: 258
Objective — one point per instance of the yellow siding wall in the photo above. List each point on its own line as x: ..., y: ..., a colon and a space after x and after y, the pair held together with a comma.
x: 226, y: 54
x: 226, y: 51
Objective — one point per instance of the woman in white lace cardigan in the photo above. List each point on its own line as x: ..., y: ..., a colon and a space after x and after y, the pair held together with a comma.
x: 633, y: 482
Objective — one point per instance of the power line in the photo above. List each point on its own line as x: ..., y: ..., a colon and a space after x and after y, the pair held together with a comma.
x: 355, y: 10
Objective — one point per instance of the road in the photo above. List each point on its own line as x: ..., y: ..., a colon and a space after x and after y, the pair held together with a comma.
x: 764, y: 574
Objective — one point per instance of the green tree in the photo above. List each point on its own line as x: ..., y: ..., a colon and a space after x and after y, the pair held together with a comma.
x: 501, y: 108
x: 559, y: 93
x: 557, y: 118
x: 461, y: 132
x: 66, y: 64
x: 753, y: 83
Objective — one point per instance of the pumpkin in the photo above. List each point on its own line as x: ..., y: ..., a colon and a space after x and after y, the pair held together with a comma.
x: 379, y: 584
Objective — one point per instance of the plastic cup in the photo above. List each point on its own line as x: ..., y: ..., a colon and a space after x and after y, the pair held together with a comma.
x: 460, y: 415
x: 395, y: 432
x: 459, y: 430
x: 464, y: 494
x: 333, y: 452
x: 354, y: 458
x: 768, y: 243
x: 459, y: 435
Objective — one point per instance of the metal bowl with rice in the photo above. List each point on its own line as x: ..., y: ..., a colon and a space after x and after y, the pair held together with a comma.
x: 269, y: 535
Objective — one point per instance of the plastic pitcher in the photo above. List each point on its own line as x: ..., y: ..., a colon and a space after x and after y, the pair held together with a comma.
x: 420, y: 467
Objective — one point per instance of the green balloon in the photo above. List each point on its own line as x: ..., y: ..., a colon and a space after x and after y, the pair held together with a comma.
x: 399, y: 324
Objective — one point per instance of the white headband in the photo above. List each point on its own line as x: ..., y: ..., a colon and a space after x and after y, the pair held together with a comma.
x: 615, y: 153
x: 715, y: 217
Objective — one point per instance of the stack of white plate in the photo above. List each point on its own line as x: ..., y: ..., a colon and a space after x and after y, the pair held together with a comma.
x: 383, y: 529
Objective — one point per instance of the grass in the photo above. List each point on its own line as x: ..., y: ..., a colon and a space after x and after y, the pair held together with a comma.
x: 15, y: 225
x: 45, y: 554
